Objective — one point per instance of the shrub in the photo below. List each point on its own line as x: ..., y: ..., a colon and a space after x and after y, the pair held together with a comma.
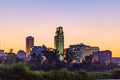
x: 116, y: 74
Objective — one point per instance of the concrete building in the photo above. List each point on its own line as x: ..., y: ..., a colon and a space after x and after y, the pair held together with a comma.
x: 81, y: 51
x: 29, y: 44
x: 88, y: 50
x: 102, y: 56
x: 59, y: 41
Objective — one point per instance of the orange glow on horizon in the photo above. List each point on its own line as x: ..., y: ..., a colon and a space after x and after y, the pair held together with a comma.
x: 94, y: 23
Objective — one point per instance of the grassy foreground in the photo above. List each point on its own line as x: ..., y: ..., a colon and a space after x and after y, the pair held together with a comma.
x: 21, y: 71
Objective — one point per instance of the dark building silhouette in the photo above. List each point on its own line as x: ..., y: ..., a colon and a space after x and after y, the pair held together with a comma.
x: 102, y: 56
x: 29, y: 44
x: 59, y: 41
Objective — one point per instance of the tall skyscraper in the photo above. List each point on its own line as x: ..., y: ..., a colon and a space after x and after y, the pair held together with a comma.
x: 59, y: 41
x: 29, y: 44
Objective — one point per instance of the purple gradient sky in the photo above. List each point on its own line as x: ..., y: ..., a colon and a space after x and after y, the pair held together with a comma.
x: 93, y: 22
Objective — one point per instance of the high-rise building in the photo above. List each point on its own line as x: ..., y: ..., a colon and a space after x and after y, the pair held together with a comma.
x: 59, y: 41
x: 29, y: 44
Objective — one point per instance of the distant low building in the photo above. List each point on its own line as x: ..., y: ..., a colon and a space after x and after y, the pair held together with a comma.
x: 2, y: 53
x: 21, y: 55
x: 102, y: 56
x: 2, y: 56
x: 116, y: 60
x: 37, y: 53
x: 10, y: 58
x: 38, y: 50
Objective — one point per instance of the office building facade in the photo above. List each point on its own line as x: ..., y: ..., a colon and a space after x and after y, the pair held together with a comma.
x: 81, y: 51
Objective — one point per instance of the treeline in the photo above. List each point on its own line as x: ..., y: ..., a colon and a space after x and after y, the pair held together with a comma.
x: 21, y: 71
x: 51, y: 61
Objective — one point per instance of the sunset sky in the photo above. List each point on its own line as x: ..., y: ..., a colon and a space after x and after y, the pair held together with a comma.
x: 92, y: 22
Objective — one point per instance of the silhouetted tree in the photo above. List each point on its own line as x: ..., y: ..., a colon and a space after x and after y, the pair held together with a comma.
x: 69, y: 56
x: 116, y: 74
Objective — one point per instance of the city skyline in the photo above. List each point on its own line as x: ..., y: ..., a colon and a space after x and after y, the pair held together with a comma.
x: 92, y: 22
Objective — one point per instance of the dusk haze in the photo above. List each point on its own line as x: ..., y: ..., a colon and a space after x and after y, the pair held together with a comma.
x: 92, y: 22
